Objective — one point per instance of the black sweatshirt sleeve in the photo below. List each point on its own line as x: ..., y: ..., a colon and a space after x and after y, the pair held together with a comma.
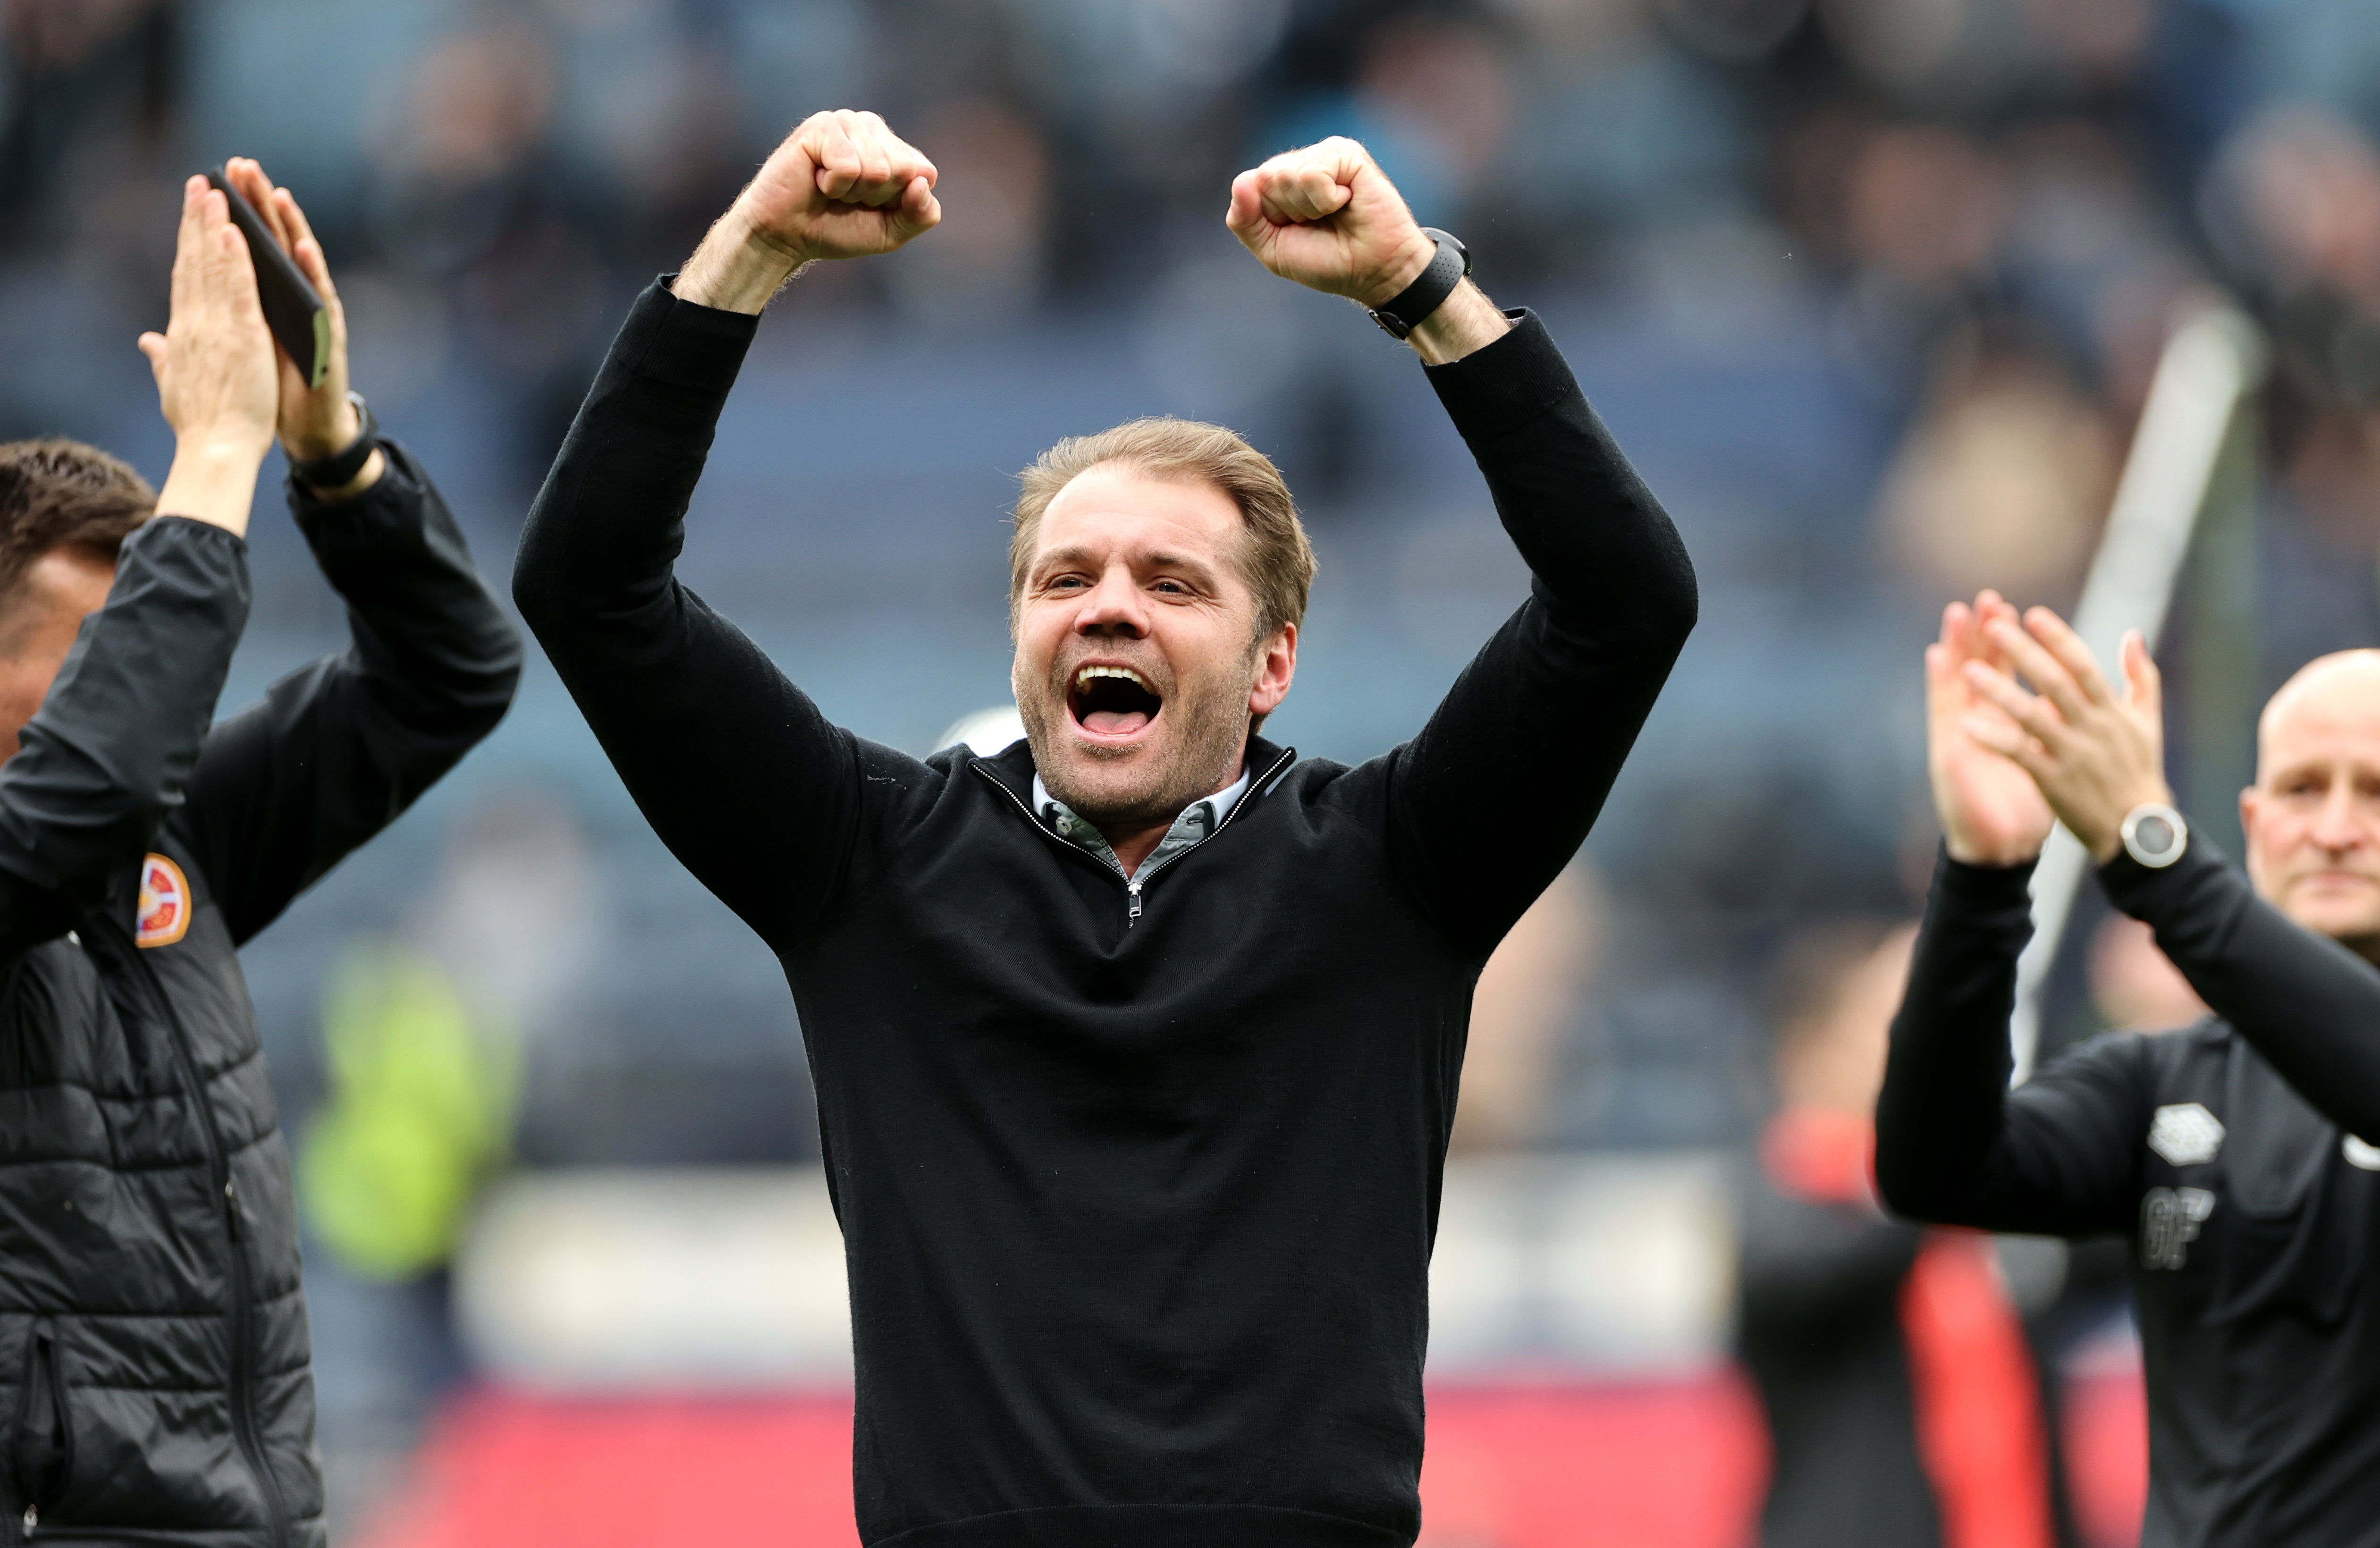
x: 2308, y: 1005
x: 751, y: 788
x: 1546, y: 712
x: 107, y: 758
x: 2058, y: 1156
x: 287, y: 788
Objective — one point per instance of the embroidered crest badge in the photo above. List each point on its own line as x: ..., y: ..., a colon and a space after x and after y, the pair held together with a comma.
x: 2186, y: 1134
x: 164, y: 914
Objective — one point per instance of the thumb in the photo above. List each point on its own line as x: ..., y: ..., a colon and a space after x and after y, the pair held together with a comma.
x: 153, y: 346
x: 919, y: 210
x: 1245, y: 217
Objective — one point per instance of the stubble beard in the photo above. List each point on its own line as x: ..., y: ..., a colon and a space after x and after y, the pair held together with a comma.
x: 1151, y: 786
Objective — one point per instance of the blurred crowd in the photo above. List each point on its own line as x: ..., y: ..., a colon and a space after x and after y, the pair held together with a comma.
x: 1872, y: 290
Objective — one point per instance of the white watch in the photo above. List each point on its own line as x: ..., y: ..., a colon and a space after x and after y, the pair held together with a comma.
x: 2155, y: 835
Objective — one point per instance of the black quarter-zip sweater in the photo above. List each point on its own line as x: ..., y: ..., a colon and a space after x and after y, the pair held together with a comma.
x: 1137, y: 1211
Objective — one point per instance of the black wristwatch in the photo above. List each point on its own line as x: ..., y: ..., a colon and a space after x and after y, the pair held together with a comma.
x: 339, y: 469
x: 1405, y: 311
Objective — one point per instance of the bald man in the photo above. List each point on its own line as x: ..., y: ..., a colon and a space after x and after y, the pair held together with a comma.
x: 2230, y: 1151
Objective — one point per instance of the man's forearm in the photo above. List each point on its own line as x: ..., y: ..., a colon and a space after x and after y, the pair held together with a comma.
x: 605, y: 530
x: 2305, y: 1002
x: 212, y: 481
x: 111, y: 749
x: 1942, y: 1110
x: 428, y: 634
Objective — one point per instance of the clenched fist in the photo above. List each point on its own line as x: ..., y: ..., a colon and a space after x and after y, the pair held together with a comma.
x: 1328, y: 217
x: 842, y: 184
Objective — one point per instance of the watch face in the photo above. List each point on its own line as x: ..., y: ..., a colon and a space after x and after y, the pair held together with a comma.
x: 2154, y: 834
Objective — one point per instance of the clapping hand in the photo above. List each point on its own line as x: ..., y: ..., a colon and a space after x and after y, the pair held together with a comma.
x: 314, y: 421
x: 1992, y: 811
x: 2093, y: 755
x: 214, y: 368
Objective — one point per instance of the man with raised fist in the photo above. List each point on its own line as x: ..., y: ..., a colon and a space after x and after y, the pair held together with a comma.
x: 1135, y: 1044
x: 2232, y: 1153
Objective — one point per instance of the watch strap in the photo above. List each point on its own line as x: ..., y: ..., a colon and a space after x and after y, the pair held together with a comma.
x: 339, y: 469
x: 1403, y: 311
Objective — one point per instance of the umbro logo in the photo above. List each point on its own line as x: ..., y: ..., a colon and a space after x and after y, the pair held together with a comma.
x: 2186, y: 1134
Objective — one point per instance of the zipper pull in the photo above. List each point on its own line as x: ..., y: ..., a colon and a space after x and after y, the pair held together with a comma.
x: 1134, y: 888
x: 33, y: 1518
x: 231, y: 1205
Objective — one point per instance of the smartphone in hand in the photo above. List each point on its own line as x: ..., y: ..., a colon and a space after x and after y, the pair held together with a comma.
x: 292, y: 310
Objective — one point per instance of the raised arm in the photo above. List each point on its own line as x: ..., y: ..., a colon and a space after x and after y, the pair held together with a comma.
x: 105, y: 759
x: 1954, y: 1144
x: 335, y: 751
x: 1547, y: 713
x: 2306, y: 1003
x: 734, y: 766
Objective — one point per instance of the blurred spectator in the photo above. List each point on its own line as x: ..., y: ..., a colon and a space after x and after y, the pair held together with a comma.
x: 2294, y: 201
x: 520, y: 916
x: 1924, y: 211
x: 425, y: 1033
x: 78, y: 71
x: 2133, y: 986
x: 458, y: 138
x: 2003, y: 480
x: 1734, y: 29
x: 1905, y: 46
x: 1902, y: 1400
x: 2095, y: 39
x: 984, y: 266
x: 419, y: 1114
x: 1527, y: 1001
x: 1443, y: 91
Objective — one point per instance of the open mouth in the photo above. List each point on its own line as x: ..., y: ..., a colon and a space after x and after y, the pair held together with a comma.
x: 1112, y: 701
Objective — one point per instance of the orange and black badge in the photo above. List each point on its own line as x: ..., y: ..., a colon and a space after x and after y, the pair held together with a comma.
x: 165, y: 902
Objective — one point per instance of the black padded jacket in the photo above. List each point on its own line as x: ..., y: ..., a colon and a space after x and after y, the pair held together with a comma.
x: 153, y: 1356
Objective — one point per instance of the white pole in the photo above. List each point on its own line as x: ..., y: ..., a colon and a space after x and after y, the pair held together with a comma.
x: 2211, y: 361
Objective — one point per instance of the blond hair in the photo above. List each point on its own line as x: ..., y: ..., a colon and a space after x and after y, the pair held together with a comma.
x: 1276, y: 561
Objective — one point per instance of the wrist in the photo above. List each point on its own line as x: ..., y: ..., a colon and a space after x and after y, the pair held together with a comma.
x: 1468, y: 321
x: 368, y: 475
x: 221, y: 446
x: 1967, y: 854
x: 334, y: 435
x: 1412, y: 256
x: 739, y: 265
x: 214, y: 482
